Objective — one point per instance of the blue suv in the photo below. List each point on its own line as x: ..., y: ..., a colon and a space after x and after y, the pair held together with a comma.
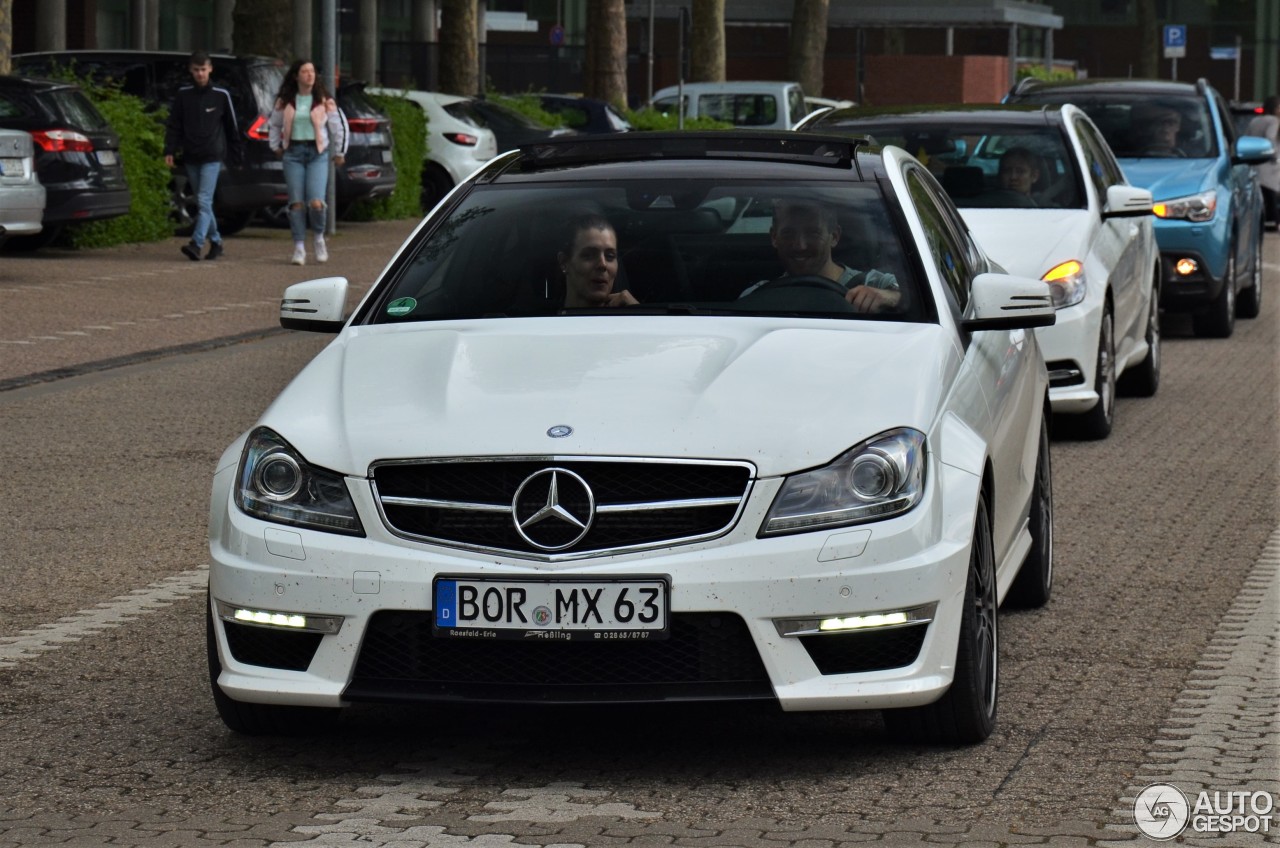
x: 1177, y: 139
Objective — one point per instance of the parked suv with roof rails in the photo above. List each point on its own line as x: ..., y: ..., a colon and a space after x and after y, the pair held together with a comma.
x: 1208, y: 202
x: 155, y: 76
x: 77, y: 154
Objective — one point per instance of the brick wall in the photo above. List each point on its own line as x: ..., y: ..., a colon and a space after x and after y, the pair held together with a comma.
x: 904, y: 80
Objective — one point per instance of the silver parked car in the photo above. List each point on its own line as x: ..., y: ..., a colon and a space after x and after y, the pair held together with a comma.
x: 21, y: 194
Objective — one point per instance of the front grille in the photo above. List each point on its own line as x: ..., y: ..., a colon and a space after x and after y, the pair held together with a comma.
x: 869, y: 650
x: 706, y: 655
x: 264, y: 646
x: 472, y: 504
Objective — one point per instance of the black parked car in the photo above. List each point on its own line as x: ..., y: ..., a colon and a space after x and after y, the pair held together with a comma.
x: 513, y: 128
x: 155, y: 76
x: 368, y: 171
x: 585, y: 114
x: 77, y: 154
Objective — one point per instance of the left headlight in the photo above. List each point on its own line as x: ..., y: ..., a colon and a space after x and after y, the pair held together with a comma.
x: 882, y: 477
x: 1195, y: 207
x: 275, y: 483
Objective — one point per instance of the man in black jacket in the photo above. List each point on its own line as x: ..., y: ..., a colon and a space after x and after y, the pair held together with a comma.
x: 202, y: 125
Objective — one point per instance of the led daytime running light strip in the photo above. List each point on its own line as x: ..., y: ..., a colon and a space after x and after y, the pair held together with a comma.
x: 327, y: 624
x: 853, y: 623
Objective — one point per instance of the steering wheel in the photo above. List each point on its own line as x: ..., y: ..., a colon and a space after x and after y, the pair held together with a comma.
x: 1167, y: 152
x: 806, y: 281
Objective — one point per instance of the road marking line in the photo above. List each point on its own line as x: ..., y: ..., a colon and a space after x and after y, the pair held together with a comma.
x: 1223, y: 725
x: 406, y: 797
x: 15, y: 341
x: 32, y: 643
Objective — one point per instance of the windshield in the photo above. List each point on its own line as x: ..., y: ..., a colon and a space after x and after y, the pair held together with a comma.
x: 1143, y: 126
x: 686, y: 248
x: 985, y: 166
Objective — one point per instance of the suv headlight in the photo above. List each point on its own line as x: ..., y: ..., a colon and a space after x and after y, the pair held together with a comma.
x: 1195, y: 207
x: 1066, y: 283
x: 275, y: 483
x: 882, y: 477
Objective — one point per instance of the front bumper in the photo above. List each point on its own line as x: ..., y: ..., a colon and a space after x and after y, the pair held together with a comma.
x: 1070, y: 349
x: 1206, y: 244
x: 381, y: 587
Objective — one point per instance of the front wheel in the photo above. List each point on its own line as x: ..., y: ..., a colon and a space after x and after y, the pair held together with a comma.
x: 1097, y: 422
x: 1034, y: 583
x: 1218, y: 319
x: 966, y: 713
x: 1144, y: 379
x: 1249, y: 303
x: 260, y: 719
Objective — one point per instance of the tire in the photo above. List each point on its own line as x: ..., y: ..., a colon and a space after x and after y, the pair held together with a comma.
x: 261, y: 719
x: 1218, y: 319
x: 966, y: 713
x: 435, y: 185
x: 1034, y: 583
x: 1249, y: 301
x: 233, y: 222
x: 1097, y: 422
x: 1144, y: 379
x: 27, y: 244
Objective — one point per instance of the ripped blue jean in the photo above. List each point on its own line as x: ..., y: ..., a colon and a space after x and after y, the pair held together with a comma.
x: 306, y: 173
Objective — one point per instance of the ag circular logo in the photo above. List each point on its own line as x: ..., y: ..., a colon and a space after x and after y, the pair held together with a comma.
x: 1161, y: 811
x: 553, y: 509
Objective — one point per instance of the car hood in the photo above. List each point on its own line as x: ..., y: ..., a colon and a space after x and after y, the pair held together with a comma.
x: 782, y: 396
x: 1170, y: 178
x: 1028, y: 242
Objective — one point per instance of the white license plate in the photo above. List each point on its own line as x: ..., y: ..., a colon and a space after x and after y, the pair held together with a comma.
x: 11, y: 168
x: 511, y: 608
x: 107, y: 157
x: 386, y: 157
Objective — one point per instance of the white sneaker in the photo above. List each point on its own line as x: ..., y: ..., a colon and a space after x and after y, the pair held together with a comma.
x: 299, y: 254
x: 322, y: 250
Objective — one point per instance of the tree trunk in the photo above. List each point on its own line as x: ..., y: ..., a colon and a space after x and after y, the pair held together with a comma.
x: 262, y: 27
x: 606, y: 61
x: 706, y: 59
x: 6, y: 36
x: 808, y: 46
x: 459, y: 53
x: 1149, y: 40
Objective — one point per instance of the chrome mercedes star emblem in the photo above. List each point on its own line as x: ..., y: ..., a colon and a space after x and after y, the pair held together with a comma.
x: 560, y: 431
x: 553, y: 509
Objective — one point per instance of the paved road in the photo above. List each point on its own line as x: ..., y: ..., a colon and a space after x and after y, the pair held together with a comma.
x: 1156, y: 660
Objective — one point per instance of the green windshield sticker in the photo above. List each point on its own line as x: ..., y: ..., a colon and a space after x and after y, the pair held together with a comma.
x: 402, y: 306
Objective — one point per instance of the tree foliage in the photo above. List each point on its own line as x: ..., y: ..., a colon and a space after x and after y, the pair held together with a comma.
x: 6, y: 36
x: 262, y: 27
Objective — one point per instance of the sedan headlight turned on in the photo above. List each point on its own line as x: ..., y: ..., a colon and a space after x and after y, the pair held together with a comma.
x: 521, y: 475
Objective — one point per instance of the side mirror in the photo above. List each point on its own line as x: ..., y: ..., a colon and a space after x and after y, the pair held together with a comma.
x: 1126, y: 201
x: 1253, y: 150
x: 316, y: 305
x: 1003, y: 302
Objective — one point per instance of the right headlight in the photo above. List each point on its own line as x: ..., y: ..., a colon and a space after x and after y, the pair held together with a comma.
x: 880, y: 478
x: 1194, y: 207
x: 275, y: 483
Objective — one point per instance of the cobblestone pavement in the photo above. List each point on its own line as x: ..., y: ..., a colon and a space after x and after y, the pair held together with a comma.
x: 1156, y: 662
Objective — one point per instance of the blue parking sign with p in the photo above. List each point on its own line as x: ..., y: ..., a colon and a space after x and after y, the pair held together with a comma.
x: 1175, y: 40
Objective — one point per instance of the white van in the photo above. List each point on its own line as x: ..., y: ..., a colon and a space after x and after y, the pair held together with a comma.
x: 762, y: 105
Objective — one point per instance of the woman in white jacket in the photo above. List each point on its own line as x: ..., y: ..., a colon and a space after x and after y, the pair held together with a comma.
x: 306, y: 128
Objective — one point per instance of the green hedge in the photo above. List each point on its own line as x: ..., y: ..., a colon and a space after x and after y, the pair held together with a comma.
x: 409, y: 148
